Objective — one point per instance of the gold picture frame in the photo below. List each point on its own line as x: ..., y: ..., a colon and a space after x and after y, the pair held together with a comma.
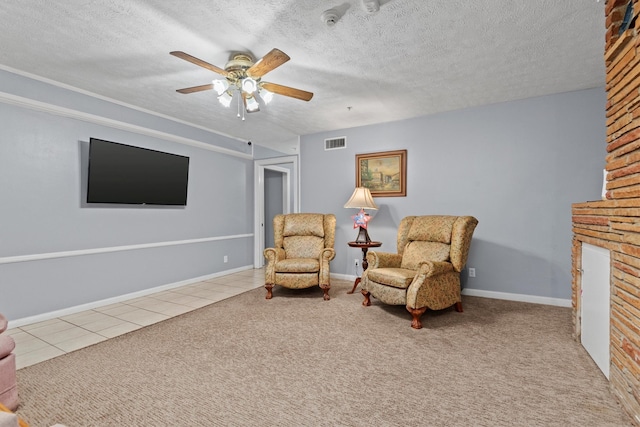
x: 383, y: 173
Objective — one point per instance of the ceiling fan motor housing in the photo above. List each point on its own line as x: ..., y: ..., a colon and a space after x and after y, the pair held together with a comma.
x: 240, y: 61
x: 237, y: 68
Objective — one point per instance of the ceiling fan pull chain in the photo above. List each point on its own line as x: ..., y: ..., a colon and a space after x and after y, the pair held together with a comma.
x: 239, y: 108
x: 240, y: 96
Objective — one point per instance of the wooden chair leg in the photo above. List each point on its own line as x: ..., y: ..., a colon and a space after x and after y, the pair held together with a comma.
x: 269, y: 287
x: 325, y: 289
x: 367, y: 300
x: 458, y: 306
x: 416, y: 313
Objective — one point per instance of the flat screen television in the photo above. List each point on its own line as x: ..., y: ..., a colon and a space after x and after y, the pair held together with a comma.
x: 124, y: 174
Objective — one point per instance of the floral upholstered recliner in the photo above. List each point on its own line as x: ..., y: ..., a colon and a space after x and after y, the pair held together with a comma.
x: 303, y: 248
x: 425, y: 273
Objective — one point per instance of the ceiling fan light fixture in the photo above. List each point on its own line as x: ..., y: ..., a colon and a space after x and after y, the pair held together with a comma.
x: 252, y: 104
x: 220, y: 86
x: 225, y: 99
x: 266, y: 95
x: 249, y: 85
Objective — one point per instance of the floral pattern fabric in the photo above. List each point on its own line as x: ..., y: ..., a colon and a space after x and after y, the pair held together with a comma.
x: 303, y: 224
x: 441, y: 293
x: 386, y: 294
x: 297, y: 281
x: 418, y: 252
x: 433, y: 281
x: 377, y: 259
x: 303, y: 246
x: 301, y: 260
x: 396, y: 277
x: 461, y: 240
x: 298, y: 265
x: 432, y: 228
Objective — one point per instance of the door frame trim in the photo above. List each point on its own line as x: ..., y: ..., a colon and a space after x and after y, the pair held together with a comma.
x: 291, y: 192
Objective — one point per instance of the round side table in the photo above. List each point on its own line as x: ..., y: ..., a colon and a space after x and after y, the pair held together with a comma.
x: 365, y: 247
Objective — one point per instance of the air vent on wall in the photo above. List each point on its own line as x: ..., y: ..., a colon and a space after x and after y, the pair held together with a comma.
x: 335, y: 143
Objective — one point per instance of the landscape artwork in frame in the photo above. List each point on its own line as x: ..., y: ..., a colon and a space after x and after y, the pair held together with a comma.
x: 383, y: 173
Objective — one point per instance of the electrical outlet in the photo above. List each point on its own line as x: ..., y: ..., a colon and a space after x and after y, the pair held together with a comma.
x: 226, y: 258
x: 472, y: 272
x: 356, y: 262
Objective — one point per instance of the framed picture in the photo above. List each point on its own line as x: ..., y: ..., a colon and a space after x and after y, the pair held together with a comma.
x: 384, y: 173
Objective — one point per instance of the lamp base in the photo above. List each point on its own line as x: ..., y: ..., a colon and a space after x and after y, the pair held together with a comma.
x: 363, y: 236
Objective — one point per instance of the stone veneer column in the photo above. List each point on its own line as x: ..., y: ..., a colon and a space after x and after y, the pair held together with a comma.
x: 614, y: 223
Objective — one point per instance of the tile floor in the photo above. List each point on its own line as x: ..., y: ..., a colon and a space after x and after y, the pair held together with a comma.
x: 41, y: 341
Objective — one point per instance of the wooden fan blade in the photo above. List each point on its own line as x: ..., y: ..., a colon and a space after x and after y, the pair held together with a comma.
x: 270, y: 61
x: 287, y: 91
x: 195, y: 88
x: 199, y: 62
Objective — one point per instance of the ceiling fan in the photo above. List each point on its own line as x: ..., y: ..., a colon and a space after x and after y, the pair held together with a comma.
x: 244, y: 76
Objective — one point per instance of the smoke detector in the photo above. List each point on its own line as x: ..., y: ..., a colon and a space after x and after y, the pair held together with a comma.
x: 371, y: 6
x: 330, y: 17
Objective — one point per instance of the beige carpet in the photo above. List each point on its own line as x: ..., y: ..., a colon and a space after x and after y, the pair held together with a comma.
x: 300, y: 361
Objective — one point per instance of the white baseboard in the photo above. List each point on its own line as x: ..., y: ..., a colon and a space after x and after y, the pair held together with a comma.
x: 343, y: 276
x: 101, y: 303
x: 517, y: 297
x: 559, y: 302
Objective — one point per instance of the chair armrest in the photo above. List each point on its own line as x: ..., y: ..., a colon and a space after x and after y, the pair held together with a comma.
x: 327, y: 254
x: 436, y: 286
x: 273, y: 255
x: 434, y: 268
x: 7, y: 344
x: 324, y: 275
x: 383, y: 260
x: 4, y: 323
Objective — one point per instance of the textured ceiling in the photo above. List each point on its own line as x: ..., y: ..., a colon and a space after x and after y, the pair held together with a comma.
x: 411, y: 58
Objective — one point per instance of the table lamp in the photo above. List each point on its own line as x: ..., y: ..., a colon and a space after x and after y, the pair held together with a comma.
x: 361, y: 199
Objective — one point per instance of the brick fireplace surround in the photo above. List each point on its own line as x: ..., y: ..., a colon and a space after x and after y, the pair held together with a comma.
x: 614, y: 223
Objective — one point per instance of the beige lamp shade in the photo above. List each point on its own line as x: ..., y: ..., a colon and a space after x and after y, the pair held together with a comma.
x: 361, y: 199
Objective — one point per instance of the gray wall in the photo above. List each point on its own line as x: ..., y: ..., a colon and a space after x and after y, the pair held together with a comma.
x: 516, y: 166
x: 42, y: 188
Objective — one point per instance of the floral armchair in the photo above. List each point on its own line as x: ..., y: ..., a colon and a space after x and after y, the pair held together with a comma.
x: 303, y: 248
x: 425, y: 273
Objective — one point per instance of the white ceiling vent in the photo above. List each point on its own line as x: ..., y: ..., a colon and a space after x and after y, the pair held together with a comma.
x: 335, y: 143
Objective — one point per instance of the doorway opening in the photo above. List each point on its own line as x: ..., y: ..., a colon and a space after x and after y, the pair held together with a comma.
x: 275, y: 191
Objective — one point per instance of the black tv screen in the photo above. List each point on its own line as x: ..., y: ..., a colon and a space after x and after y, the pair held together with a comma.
x: 120, y: 173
